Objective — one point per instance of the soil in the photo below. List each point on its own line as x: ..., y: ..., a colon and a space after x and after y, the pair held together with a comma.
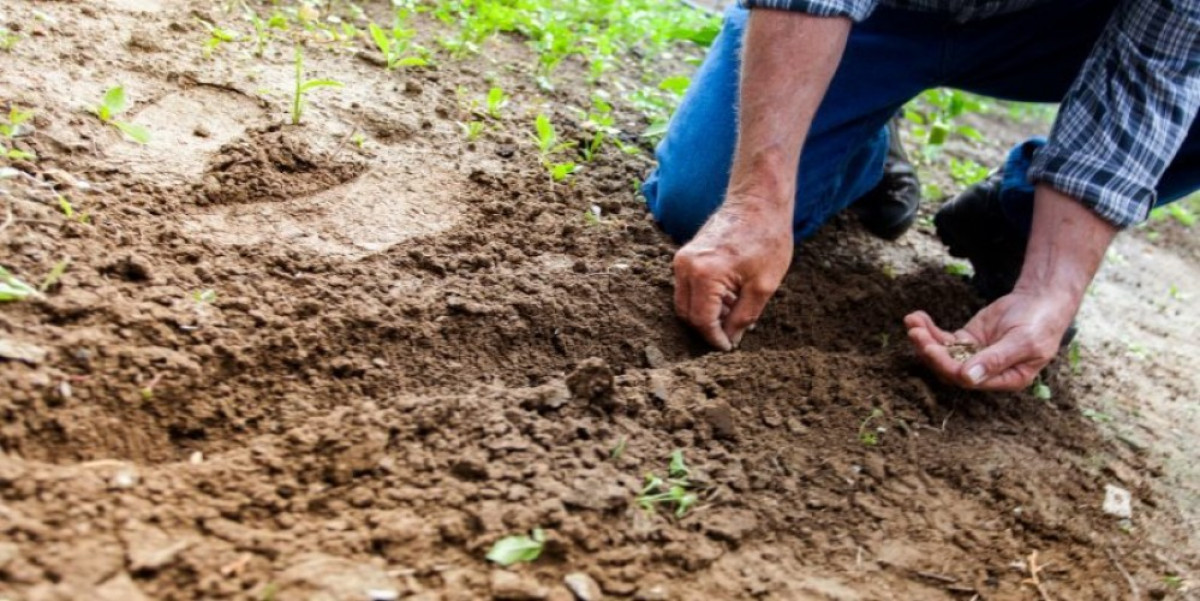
x: 417, y: 346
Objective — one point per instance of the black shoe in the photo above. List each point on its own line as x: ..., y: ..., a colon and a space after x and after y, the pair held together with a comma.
x: 973, y: 227
x: 890, y: 208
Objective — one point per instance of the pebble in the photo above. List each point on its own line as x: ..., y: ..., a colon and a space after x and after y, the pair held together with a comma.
x: 507, y: 586
x: 582, y: 586
x: 1118, y: 502
x: 655, y: 359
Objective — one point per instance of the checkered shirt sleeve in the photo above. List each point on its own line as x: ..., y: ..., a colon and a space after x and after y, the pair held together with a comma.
x: 1128, y: 112
x: 856, y: 10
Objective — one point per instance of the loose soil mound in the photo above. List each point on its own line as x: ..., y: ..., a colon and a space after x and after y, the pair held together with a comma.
x: 417, y: 346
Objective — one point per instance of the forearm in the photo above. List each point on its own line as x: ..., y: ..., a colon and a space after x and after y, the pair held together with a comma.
x: 1066, y: 246
x: 788, y: 61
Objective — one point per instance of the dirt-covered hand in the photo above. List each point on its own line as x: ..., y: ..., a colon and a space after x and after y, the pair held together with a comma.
x: 1016, y: 336
x: 727, y: 273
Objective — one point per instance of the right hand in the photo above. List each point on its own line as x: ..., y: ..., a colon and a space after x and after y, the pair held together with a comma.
x: 727, y: 273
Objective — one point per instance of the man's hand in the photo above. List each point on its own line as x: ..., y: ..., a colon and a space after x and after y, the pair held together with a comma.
x: 1020, y: 333
x: 727, y: 273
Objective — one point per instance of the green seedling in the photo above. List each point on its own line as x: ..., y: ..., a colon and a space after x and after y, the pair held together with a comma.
x: 618, y: 449
x: 561, y: 171
x: 55, y: 274
x: 207, y: 296
x: 114, y: 103
x: 12, y: 128
x: 304, y: 86
x: 958, y: 268
x: 68, y: 211
x: 1074, y: 352
x: 472, y: 129
x: 13, y: 289
x: 548, y: 143
x: 1096, y: 416
x: 676, y: 85
x: 496, y: 100
x: 216, y: 37
x: 675, y: 490
x: 263, y: 29
x: 967, y: 172
x: 395, y: 45
x: 1173, y: 582
x: 934, y: 114
x: 359, y: 140
x: 518, y: 549
x: 1041, y: 390
x: 8, y: 40
x: 870, y: 438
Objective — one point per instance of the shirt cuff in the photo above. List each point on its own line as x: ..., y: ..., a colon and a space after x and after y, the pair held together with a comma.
x: 1115, y: 197
x: 855, y: 10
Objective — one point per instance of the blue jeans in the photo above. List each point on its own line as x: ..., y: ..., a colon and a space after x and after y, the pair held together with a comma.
x: 1033, y: 56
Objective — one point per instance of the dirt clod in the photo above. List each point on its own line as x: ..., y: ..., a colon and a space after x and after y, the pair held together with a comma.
x: 507, y: 586
x: 961, y: 351
x: 592, y: 380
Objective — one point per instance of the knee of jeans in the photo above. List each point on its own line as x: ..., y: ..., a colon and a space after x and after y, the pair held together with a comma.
x: 680, y: 205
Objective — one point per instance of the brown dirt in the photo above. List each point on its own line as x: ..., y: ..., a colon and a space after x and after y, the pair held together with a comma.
x: 420, y: 346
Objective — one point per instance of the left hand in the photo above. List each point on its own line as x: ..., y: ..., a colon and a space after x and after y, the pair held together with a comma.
x: 1017, y: 335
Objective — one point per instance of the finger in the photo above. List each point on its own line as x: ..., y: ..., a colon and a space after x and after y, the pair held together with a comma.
x: 935, y: 355
x: 1002, y: 366
x: 921, y: 319
x: 745, y: 313
x: 683, y: 293
x: 704, y: 310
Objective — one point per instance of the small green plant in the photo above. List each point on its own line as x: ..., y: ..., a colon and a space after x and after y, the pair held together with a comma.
x: 967, y: 172
x: 304, y: 86
x: 13, y: 289
x: 8, y: 40
x: 264, y: 28
x: 870, y: 437
x: 55, y: 274
x: 934, y: 114
x: 11, y: 129
x: 1041, y: 390
x: 395, y: 44
x: 1173, y: 582
x: 496, y: 100
x: 114, y: 103
x: 671, y: 491
x: 472, y: 129
x: 1074, y: 352
x: 518, y: 549
x: 1096, y: 416
x: 548, y: 144
x: 68, y: 211
x: 359, y: 140
x: 207, y: 296
x: 958, y: 268
x: 216, y: 37
x: 618, y: 449
x: 676, y: 85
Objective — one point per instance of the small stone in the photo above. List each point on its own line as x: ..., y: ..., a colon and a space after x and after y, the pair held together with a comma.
x: 720, y: 416
x: 592, y: 380
x: 383, y: 594
x: 196, y: 458
x: 1118, y: 502
x: 201, y: 131
x: 507, y: 586
x: 124, y: 478
x: 655, y: 358
x: 655, y: 592
x: 582, y: 586
x: 17, y: 350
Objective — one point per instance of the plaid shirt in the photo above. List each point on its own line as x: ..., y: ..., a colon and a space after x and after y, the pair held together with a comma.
x: 1125, y: 116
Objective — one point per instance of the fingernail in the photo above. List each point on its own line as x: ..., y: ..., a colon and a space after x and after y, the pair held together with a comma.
x: 737, y: 339
x: 976, y: 374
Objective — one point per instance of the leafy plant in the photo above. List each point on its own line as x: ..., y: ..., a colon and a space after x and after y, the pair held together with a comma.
x: 55, y: 274
x: 671, y: 491
x: 114, y: 103
x: 1073, y: 355
x: 395, y: 44
x: 68, y: 210
x: 548, y: 144
x: 935, y: 113
x: 966, y: 172
x: 518, y: 549
x: 13, y: 289
x: 11, y: 129
x: 216, y: 37
x: 472, y: 129
x: 496, y: 100
x: 304, y: 86
x: 676, y: 85
x: 1041, y: 390
x: 263, y: 29
x: 618, y: 449
x: 958, y: 268
x: 869, y: 438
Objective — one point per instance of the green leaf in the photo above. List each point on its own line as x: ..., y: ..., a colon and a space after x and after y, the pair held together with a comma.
x: 656, y: 129
x: 13, y: 289
x: 560, y: 171
x: 545, y: 131
x: 412, y: 61
x: 702, y: 36
x: 19, y: 155
x: 55, y: 274
x: 937, y: 134
x: 677, y: 84
x: 135, y: 132
x: 381, y: 40
x: 17, y: 116
x: 678, y: 468
x: 65, y: 206
x: 1041, y: 391
x: 967, y: 131
x: 517, y: 549
x: 114, y: 101
x: 320, y: 83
